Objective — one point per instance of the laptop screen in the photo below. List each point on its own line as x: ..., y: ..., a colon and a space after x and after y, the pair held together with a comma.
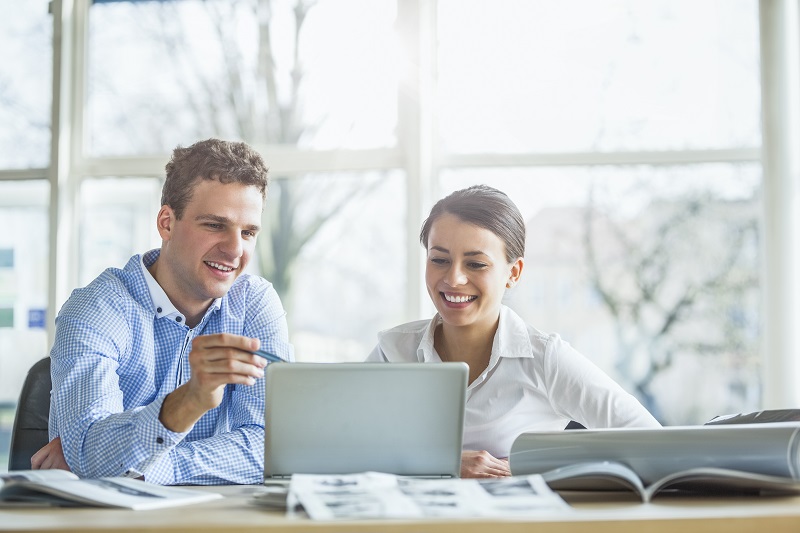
x: 340, y: 418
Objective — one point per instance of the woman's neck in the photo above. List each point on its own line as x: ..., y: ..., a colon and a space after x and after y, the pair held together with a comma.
x: 469, y: 344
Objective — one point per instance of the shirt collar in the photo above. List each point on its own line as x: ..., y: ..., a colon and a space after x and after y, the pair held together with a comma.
x: 511, y: 340
x: 426, y: 352
x: 162, y: 306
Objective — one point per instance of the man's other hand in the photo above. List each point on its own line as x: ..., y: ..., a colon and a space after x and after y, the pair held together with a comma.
x: 50, y: 457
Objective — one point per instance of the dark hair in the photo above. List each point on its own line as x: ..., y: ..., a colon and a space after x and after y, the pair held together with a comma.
x: 487, y: 208
x: 212, y: 159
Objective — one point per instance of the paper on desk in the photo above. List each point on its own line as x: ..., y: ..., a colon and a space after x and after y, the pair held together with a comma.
x: 377, y: 495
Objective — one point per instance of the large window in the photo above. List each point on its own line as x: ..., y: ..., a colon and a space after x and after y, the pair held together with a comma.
x: 650, y: 268
x: 25, y: 86
x: 23, y: 292
x: 348, y: 280
x: 23, y: 288
x: 539, y: 76
x: 317, y: 75
x: 116, y: 217
x: 652, y: 272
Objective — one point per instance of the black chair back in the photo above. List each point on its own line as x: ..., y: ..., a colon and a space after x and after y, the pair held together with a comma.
x: 29, y: 432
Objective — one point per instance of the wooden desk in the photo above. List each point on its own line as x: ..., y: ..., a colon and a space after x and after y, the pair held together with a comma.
x: 611, y: 512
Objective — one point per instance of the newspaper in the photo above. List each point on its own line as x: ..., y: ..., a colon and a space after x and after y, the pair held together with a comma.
x: 373, y: 495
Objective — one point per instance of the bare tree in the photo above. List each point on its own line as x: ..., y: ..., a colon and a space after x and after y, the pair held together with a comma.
x: 262, y: 104
x: 24, y: 82
x: 280, y: 121
x: 676, y: 279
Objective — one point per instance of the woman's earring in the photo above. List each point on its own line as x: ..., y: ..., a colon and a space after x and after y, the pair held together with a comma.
x: 510, y: 284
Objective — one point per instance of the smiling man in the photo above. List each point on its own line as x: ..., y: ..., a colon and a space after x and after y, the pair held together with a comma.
x: 152, y: 365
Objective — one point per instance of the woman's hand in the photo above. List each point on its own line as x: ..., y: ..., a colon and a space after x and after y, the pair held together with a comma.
x: 483, y: 464
x: 50, y: 457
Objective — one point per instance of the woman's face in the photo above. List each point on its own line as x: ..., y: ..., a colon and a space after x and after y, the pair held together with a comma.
x: 466, y: 272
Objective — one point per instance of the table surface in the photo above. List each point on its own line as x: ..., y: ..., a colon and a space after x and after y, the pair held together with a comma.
x: 618, y: 512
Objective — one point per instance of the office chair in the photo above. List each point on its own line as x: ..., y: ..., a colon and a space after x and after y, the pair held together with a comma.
x: 29, y: 432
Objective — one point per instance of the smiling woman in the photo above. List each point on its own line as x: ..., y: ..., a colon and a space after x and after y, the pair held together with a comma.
x: 520, y: 379
x: 468, y: 269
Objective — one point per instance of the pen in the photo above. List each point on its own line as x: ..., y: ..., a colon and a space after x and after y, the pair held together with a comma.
x: 268, y: 356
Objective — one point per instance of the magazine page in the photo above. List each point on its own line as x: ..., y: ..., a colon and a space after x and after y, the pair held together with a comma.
x: 12, y: 494
x: 35, y: 475
x: 601, y: 475
x: 104, y: 492
x: 271, y: 496
x: 757, y: 417
x: 606, y: 475
x: 373, y: 495
x: 721, y: 480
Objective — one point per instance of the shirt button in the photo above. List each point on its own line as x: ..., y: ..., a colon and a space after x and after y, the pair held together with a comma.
x: 178, y: 319
x: 160, y: 440
x: 158, y: 309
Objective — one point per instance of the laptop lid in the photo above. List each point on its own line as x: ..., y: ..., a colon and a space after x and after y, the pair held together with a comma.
x: 339, y: 418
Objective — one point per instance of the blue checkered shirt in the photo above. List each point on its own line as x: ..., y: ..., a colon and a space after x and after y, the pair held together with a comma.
x: 117, y: 355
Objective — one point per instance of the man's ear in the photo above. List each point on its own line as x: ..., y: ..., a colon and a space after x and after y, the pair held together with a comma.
x: 165, y: 221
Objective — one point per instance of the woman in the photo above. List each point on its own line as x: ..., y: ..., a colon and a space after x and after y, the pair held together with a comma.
x: 519, y: 378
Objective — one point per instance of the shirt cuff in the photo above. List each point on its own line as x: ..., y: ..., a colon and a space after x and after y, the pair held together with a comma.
x: 156, y: 441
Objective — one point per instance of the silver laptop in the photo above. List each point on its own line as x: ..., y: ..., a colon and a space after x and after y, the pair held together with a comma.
x: 340, y: 418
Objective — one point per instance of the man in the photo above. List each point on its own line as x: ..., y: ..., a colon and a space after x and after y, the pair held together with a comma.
x: 152, y: 365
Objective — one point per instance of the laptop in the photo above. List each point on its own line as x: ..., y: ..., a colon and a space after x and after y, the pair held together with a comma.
x: 342, y: 418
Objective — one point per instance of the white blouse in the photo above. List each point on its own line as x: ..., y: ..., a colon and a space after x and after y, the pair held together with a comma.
x: 534, y: 382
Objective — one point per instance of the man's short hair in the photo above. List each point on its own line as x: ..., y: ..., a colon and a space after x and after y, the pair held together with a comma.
x: 212, y: 159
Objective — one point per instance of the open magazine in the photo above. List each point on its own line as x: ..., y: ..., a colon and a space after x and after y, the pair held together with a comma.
x: 741, y: 458
x: 373, y: 495
x: 65, y: 489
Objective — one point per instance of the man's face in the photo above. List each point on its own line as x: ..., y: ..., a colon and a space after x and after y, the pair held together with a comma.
x: 205, y: 250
